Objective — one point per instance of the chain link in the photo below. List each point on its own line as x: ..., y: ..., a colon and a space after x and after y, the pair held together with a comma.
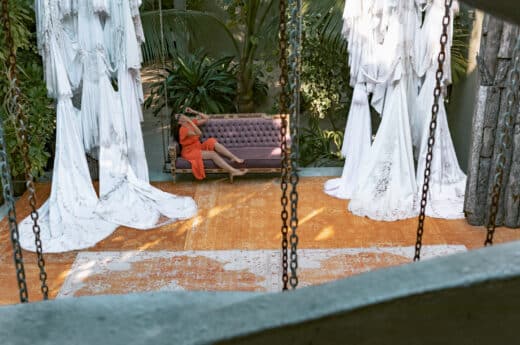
x: 11, y: 216
x: 505, y: 140
x: 14, y: 99
x: 433, y: 126
x: 284, y: 75
x: 294, y: 109
x: 5, y: 173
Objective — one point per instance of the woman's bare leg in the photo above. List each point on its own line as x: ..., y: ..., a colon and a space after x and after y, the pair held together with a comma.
x: 219, y: 161
x: 224, y: 151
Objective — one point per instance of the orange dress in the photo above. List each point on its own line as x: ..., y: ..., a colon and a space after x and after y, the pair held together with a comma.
x: 192, y: 150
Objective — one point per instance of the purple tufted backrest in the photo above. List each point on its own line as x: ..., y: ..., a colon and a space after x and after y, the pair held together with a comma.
x: 243, y: 132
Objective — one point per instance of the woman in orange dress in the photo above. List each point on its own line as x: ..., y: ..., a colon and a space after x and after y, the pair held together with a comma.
x: 195, y: 151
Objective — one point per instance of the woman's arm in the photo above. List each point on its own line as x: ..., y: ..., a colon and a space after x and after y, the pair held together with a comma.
x: 203, y: 117
x: 193, y: 129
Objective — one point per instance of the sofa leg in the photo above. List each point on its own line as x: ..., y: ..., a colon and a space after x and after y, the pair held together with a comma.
x: 174, y: 173
x: 231, y: 178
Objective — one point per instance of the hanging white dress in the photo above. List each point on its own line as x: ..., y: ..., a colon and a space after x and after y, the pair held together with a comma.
x: 131, y: 93
x: 67, y: 219
x: 447, y: 181
x: 73, y: 217
x: 126, y: 197
x: 358, y: 130
x: 356, y: 145
x: 386, y: 188
x: 392, y: 56
x: 90, y: 53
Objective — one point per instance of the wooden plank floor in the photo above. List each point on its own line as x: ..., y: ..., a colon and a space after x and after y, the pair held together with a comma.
x: 242, y: 216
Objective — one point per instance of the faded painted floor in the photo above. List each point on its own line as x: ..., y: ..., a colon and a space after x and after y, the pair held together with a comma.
x: 232, y: 244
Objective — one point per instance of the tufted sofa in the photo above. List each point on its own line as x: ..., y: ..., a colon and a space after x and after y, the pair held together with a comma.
x: 253, y: 137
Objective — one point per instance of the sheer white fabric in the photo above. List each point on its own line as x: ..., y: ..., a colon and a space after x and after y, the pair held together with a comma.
x: 123, y: 169
x: 125, y: 199
x: 129, y: 94
x: 386, y: 187
x: 101, y: 7
x: 393, y: 54
x: 358, y: 136
x: 67, y: 219
x: 73, y: 46
x: 90, y: 43
x: 448, y: 181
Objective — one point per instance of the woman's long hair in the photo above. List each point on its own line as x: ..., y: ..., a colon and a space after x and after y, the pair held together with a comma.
x: 175, y: 128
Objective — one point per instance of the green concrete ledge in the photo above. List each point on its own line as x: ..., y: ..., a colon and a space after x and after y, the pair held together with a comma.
x: 470, y: 298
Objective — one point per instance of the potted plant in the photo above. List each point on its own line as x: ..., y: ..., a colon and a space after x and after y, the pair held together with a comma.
x: 196, y: 81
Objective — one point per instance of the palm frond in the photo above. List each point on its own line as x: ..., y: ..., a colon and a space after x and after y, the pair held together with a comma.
x: 197, y: 81
x: 330, y: 12
x: 179, y: 27
x: 460, y: 45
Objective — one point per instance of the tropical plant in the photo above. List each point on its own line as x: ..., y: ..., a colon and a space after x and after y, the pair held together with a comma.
x: 319, y: 147
x: 195, y: 5
x: 260, y: 87
x: 250, y: 26
x: 460, y: 45
x: 195, y: 81
x: 325, y: 58
x: 325, y: 70
x: 40, y: 122
x: 257, y: 21
x: 179, y: 27
x: 326, y: 91
x: 328, y: 17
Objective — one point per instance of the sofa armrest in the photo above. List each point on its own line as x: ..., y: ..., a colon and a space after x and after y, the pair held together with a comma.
x: 173, y: 152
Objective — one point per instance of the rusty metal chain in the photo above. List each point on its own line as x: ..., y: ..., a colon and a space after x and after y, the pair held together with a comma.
x: 295, y: 38
x: 5, y: 173
x: 505, y: 141
x: 14, y: 99
x: 283, y: 103
x: 11, y: 217
x: 446, y: 20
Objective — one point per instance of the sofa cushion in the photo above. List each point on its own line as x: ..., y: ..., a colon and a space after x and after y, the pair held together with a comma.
x: 243, y: 132
x: 255, y: 157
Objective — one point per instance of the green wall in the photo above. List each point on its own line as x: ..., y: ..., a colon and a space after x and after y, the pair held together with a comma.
x: 463, y: 100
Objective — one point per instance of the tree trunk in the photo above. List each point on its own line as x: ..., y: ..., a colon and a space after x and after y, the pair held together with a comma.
x: 498, y: 40
x: 245, y: 81
x: 246, y: 78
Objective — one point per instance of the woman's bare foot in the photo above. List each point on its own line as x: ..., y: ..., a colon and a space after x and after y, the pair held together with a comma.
x: 239, y: 172
x: 237, y: 160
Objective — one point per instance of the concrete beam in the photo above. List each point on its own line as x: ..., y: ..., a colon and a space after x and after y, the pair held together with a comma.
x: 471, y: 298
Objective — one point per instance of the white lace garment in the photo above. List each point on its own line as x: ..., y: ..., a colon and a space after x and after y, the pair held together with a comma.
x: 392, y: 55
x: 81, y: 56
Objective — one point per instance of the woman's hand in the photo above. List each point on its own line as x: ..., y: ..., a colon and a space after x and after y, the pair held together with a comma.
x: 203, y: 117
x: 196, y: 129
x: 194, y: 112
